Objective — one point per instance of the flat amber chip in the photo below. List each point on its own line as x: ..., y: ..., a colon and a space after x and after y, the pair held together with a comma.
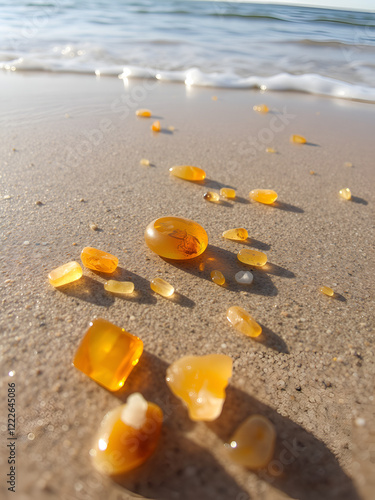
x: 107, y: 354
x: 243, y: 322
x: 297, y: 139
x: 266, y: 196
x: 188, y: 172
x: 162, y: 287
x: 97, y: 260
x: 252, y: 257
x: 65, y: 274
x: 143, y: 113
x: 261, y: 108
x: 176, y: 238
x: 119, y: 287
x: 326, y: 290
x: 227, y: 193
x: 237, y: 234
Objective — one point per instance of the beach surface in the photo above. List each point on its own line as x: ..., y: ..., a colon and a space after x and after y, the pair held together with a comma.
x: 70, y: 154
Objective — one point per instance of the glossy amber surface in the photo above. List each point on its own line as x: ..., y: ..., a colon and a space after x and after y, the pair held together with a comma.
x: 156, y: 127
x: 218, y: 277
x: 107, y: 354
x: 261, y: 108
x: 200, y: 382
x: 176, y: 238
x: 297, y: 139
x: 119, y: 287
x: 97, y: 260
x: 227, y: 193
x: 270, y: 150
x: 345, y: 193
x: 252, y: 257
x: 162, y: 287
x: 237, y: 234
x: 144, y: 113
x: 145, y: 162
x: 243, y: 322
x: 127, y: 436
x: 71, y: 271
x: 211, y: 196
x: 188, y: 172
x: 253, y: 443
x: 326, y: 290
x: 266, y: 196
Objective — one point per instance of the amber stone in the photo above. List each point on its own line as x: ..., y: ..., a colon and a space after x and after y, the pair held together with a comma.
x: 252, y: 257
x: 237, y: 234
x: 156, y: 127
x: 243, y: 322
x: 107, y: 354
x: 227, y: 193
x: 162, y: 287
x: 119, y: 287
x: 97, y: 260
x: 176, y: 238
x: 345, y: 193
x: 128, y: 435
x: 143, y: 113
x: 211, y: 196
x: 266, y: 196
x: 65, y: 274
x: 218, y: 277
x: 298, y: 139
x: 200, y: 382
x: 326, y: 290
x: 253, y: 443
x: 188, y: 172
x: 261, y: 108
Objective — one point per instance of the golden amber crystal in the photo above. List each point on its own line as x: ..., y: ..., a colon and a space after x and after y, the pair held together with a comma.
x: 200, y: 382
x: 243, y: 322
x: 97, y: 260
x: 261, y: 108
x: 297, y: 139
x: 270, y: 150
x: 119, y: 287
x: 227, y: 193
x: 237, y: 234
x: 326, y: 290
x: 345, y: 193
x: 143, y: 113
x: 145, y: 162
x: 253, y: 443
x: 266, y: 196
x: 188, y: 172
x: 107, y: 354
x: 65, y: 274
x: 162, y: 287
x: 156, y: 127
x: 211, y: 196
x: 218, y: 277
x: 127, y: 436
x: 176, y: 238
x: 252, y: 257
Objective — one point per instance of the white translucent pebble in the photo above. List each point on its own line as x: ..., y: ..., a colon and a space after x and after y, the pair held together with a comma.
x: 134, y: 413
x: 244, y: 277
x: 207, y: 406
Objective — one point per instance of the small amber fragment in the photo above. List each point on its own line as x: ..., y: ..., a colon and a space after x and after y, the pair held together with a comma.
x: 211, y: 196
x: 326, y: 290
x: 119, y: 287
x: 162, y: 287
x: 200, y: 382
x: 270, y: 150
x: 261, y: 108
x: 252, y: 257
x: 253, y: 443
x: 312, y: 172
x: 144, y: 113
x: 127, y: 436
x: 227, y: 193
x: 65, y: 274
x: 107, y: 354
x: 345, y: 193
x: 297, y: 139
x: 188, y: 172
x: 266, y: 196
x: 244, y: 277
x: 214, y: 97
x: 218, y: 277
x: 238, y: 234
x: 348, y: 164
x: 97, y: 260
x: 176, y: 238
x: 156, y: 127
x: 243, y: 322
x: 145, y: 162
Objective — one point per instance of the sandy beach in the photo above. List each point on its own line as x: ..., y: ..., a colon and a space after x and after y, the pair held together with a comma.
x: 70, y: 158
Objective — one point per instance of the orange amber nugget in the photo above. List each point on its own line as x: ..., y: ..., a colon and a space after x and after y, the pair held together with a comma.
x: 200, y: 382
x: 188, y: 172
x: 252, y: 257
x: 261, y: 108
x: 253, y: 443
x: 211, y: 196
x: 345, y: 193
x: 176, y: 238
x: 144, y: 113
x: 227, y: 193
x: 97, y: 260
x: 266, y: 196
x: 65, y: 274
x: 243, y: 322
x: 156, y: 127
x: 237, y: 234
x: 297, y: 139
x: 107, y: 354
x: 326, y: 290
x: 218, y: 277
x: 127, y: 437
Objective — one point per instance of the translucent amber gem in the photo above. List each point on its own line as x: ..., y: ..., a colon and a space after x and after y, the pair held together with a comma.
x: 145, y: 113
x: 297, y: 139
x: 107, y: 354
x: 345, y: 193
x: 327, y: 291
x: 243, y: 322
x: 261, y: 108
x: 162, y: 287
x: 200, y: 382
x: 97, y: 260
x: 119, y: 287
x: 211, y: 196
x: 156, y: 127
x: 127, y: 436
x: 188, y: 172
x: 244, y: 277
x: 176, y: 238
x: 144, y: 162
x: 238, y: 234
x: 253, y: 443
x: 227, y: 193
x: 65, y: 274
x: 218, y: 277
x: 348, y: 164
x: 266, y: 196
x: 270, y: 150
x: 252, y: 257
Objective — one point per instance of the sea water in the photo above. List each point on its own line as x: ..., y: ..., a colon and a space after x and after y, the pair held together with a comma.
x: 206, y: 43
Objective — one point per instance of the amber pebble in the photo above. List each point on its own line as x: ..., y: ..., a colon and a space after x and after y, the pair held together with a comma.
x: 252, y: 257
x: 297, y: 139
x: 261, y: 108
x: 238, y: 234
x: 128, y: 435
x: 266, y: 196
x: 200, y: 382
x: 156, y: 127
x: 243, y: 322
x: 176, y: 238
x: 119, y: 287
x: 348, y: 164
x: 253, y: 443
x: 107, y: 354
x: 326, y: 290
x: 227, y: 193
x: 65, y: 274
x: 144, y: 113
x: 345, y: 193
x: 270, y: 150
x: 211, y: 196
x: 97, y: 260
x: 145, y: 162
x: 218, y: 277
x: 188, y: 172
x: 162, y: 287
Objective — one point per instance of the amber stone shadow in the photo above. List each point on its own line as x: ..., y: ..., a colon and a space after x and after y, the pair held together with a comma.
x: 89, y: 290
x: 287, y: 207
x: 251, y: 242
x: 339, y: 297
x: 270, y: 268
x: 270, y: 339
x: 356, y: 199
x: 303, y: 467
